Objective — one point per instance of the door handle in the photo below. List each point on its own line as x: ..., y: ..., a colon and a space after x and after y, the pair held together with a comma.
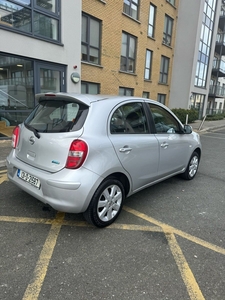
x: 125, y: 149
x: 164, y: 145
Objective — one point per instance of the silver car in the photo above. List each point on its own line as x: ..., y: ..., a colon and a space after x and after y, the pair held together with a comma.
x: 86, y: 153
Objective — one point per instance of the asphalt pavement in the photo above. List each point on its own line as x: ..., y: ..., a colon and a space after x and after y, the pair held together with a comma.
x: 199, y: 126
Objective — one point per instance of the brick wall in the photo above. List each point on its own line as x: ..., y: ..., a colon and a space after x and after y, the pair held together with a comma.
x: 108, y: 74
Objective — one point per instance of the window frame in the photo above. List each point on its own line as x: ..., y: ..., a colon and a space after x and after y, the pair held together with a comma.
x: 87, y: 86
x: 87, y: 43
x: 125, y: 90
x: 151, y: 23
x: 129, y: 4
x: 161, y: 98
x: 164, y: 70
x: 128, y: 58
x: 34, y: 8
x: 148, y: 68
x: 168, y: 30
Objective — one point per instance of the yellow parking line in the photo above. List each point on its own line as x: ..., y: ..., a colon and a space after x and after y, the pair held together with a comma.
x: 26, y: 220
x: 169, y: 229
x: 34, y: 287
x: 186, y: 273
x: 3, y: 177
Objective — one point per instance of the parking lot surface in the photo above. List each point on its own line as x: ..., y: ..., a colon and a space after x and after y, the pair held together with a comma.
x: 168, y: 242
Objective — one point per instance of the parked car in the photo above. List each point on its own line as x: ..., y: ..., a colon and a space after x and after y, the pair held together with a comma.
x: 86, y: 153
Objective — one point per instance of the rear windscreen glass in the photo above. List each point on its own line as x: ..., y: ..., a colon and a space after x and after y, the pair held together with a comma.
x: 57, y: 116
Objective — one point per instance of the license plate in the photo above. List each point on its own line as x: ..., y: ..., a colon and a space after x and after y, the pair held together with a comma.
x: 29, y: 178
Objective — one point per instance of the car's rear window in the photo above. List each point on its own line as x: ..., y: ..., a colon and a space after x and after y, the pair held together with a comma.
x: 57, y: 116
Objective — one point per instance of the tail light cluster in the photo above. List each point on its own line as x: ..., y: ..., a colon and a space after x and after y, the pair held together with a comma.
x: 15, y: 136
x: 77, y: 154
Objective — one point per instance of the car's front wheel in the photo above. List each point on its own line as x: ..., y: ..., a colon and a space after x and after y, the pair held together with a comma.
x: 192, y: 167
x: 106, y: 203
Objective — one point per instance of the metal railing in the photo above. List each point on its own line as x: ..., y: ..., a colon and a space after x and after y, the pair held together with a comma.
x: 217, y: 90
x: 6, y: 100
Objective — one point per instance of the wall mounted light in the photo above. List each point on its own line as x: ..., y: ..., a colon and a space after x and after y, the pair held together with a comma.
x: 75, y: 77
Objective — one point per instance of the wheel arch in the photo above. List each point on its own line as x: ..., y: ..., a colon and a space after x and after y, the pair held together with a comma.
x: 123, y: 179
x: 199, y: 151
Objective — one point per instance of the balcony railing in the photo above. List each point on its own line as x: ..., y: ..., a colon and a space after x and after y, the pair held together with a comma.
x: 220, y: 38
x: 219, y: 65
x: 217, y: 90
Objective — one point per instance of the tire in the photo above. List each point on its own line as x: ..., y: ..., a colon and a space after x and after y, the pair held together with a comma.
x: 106, y: 203
x: 192, y: 167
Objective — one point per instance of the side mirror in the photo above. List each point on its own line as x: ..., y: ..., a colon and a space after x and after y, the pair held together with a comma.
x: 187, y: 129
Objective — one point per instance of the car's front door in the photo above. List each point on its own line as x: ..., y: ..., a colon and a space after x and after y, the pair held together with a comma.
x: 173, y: 145
x: 136, y: 148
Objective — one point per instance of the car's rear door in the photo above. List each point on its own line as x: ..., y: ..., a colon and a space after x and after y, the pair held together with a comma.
x: 136, y: 148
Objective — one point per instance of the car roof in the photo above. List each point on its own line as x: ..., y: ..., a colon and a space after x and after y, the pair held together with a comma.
x: 86, y: 98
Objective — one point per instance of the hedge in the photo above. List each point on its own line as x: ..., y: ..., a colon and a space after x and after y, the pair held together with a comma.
x: 182, y: 113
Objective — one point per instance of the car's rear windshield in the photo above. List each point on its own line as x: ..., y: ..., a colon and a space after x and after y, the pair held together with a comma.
x: 57, y: 116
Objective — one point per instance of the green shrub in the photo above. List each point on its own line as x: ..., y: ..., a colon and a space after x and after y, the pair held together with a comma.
x: 215, y: 117
x: 181, y: 113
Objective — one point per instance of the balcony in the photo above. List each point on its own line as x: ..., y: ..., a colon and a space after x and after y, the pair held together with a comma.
x: 218, y: 68
x: 222, y: 19
x: 216, y: 91
x: 220, y: 44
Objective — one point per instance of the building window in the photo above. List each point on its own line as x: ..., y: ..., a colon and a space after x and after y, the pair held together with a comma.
x: 90, y: 39
x: 151, y: 21
x: 164, y: 69
x: 90, y: 88
x: 171, y: 2
x: 205, y: 43
x: 123, y: 91
x: 130, y: 7
x: 38, y: 18
x: 145, y: 95
x: 148, y: 64
x: 167, y: 33
x: 161, y: 98
x: 128, y: 53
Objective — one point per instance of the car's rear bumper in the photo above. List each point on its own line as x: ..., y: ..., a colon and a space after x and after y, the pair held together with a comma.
x: 67, y: 190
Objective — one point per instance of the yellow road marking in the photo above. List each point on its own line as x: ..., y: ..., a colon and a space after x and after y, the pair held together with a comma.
x: 3, y: 177
x: 169, y: 229
x: 33, y: 290
x: 186, y: 273
x: 3, y: 171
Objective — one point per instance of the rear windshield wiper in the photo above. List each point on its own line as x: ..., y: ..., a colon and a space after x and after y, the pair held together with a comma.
x: 34, y: 130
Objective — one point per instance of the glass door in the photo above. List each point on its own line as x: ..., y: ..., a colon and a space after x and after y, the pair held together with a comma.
x: 50, y: 78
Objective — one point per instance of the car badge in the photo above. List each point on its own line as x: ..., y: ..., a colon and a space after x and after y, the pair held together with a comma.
x: 32, y: 140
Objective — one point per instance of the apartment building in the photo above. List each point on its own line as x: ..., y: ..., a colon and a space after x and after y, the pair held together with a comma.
x: 168, y: 50
x: 39, y: 52
x: 198, y: 65
x: 216, y: 103
x: 128, y: 47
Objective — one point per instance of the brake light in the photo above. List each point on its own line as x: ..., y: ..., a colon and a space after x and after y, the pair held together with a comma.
x: 15, y: 136
x: 77, y: 154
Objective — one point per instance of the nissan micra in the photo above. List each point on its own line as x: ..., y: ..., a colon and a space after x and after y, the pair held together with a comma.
x: 86, y: 153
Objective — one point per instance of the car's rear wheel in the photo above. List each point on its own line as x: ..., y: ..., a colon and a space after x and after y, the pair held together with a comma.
x: 192, y: 167
x: 106, y: 203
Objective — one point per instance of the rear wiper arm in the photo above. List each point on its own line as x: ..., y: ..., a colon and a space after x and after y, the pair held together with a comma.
x: 34, y: 130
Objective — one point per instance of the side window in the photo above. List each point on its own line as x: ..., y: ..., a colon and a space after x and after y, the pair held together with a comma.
x: 164, y: 121
x: 130, y: 119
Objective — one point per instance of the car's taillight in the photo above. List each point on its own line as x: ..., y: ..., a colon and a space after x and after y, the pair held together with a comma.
x: 77, y: 154
x: 15, y: 136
